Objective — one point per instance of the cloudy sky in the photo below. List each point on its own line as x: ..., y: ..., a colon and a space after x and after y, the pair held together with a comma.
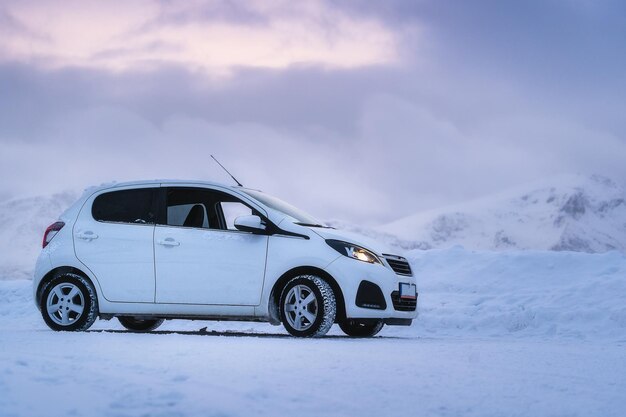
x: 351, y: 109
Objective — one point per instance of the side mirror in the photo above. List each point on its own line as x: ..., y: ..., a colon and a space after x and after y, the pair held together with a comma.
x: 249, y: 224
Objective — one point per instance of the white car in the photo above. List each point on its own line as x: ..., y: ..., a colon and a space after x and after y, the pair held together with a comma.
x: 153, y: 250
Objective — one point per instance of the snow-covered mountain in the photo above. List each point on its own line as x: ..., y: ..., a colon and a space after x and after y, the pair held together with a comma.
x: 575, y: 213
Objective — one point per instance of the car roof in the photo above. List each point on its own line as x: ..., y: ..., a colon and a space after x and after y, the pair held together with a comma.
x: 115, y: 184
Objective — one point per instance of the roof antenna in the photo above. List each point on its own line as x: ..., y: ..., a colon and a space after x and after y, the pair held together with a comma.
x: 231, y: 175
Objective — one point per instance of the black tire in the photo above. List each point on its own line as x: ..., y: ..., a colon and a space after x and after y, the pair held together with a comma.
x: 139, y: 325
x: 355, y: 328
x: 63, y: 300
x: 324, y: 302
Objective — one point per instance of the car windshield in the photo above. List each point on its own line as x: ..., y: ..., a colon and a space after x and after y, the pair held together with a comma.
x: 277, y: 204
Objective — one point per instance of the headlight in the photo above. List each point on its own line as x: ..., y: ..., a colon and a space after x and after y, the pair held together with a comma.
x: 353, y: 251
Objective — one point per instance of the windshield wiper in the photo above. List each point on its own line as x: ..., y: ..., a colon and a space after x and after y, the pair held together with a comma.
x: 313, y: 225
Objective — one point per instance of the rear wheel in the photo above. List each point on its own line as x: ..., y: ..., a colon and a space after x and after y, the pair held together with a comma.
x: 308, y: 306
x: 139, y: 325
x: 356, y: 328
x: 69, y: 303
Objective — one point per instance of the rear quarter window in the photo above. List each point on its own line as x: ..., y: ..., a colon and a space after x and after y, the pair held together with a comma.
x: 125, y: 206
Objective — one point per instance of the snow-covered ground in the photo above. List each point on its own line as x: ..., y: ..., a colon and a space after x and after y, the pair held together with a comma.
x: 505, y: 333
x: 499, y: 334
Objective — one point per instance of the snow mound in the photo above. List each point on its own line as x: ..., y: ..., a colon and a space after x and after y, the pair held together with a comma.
x: 524, y: 293
x: 23, y: 222
x: 16, y: 299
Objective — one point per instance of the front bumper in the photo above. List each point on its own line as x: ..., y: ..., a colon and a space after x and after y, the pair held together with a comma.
x: 350, y: 274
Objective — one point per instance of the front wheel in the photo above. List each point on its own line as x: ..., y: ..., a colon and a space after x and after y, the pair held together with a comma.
x: 69, y: 302
x: 139, y: 325
x: 355, y: 328
x: 308, y: 306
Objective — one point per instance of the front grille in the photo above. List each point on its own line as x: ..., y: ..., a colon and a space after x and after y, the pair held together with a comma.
x: 402, y: 304
x: 399, y: 265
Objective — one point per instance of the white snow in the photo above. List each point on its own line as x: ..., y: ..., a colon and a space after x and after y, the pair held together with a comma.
x: 532, y: 333
x: 22, y: 225
x: 500, y: 333
x: 545, y: 294
x: 569, y: 212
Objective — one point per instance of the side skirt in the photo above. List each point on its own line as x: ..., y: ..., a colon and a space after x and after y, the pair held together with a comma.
x: 184, y: 317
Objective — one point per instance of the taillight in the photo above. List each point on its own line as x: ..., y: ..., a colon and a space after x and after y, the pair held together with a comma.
x: 51, y: 231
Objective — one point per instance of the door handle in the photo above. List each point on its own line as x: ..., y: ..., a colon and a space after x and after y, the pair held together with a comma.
x: 168, y: 242
x: 88, y: 235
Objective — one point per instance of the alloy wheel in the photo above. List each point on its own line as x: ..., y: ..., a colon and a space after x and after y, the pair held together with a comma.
x: 65, y: 304
x: 301, y: 307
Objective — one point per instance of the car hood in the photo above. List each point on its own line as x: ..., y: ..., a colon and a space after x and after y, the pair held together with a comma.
x: 354, y: 238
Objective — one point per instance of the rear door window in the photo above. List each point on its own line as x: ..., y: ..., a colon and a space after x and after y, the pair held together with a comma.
x: 126, y: 206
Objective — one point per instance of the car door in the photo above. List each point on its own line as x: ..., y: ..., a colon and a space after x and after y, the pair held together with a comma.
x: 113, y: 237
x: 200, y: 258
